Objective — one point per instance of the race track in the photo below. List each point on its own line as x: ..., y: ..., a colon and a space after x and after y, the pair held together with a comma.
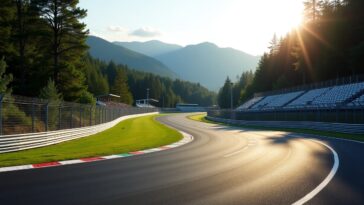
x: 223, y: 165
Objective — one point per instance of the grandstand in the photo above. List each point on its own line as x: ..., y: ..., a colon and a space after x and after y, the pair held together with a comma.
x: 358, y: 101
x: 111, y: 101
x: 308, y: 98
x: 337, y: 96
x: 249, y: 103
x: 145, y: 103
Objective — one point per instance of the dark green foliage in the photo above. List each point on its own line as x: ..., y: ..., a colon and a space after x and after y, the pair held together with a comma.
x: 87, y: 98
x: 4, y: 79
x: 121, y: 88
x: 7, y: 12
x: 238, y: 89
x: 41, y: 40
x: 67, y: 35
x: 50, y: 92
x: 97, y: 82
x: 224, y: 96
x: 70, y: 82
x: 66, y: 41
x: 167, y: 91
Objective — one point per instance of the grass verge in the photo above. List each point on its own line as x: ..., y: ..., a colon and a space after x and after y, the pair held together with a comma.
x: 358, y: 137
x: 129, y: 135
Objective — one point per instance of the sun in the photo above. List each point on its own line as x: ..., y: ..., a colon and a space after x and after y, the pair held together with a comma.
x: 250, y: 25
x: 283, y: 22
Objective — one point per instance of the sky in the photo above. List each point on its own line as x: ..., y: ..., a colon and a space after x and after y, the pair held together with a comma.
x: 246, y: 25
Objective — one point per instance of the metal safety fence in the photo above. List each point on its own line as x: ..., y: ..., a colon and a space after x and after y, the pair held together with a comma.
x: 20, y: 115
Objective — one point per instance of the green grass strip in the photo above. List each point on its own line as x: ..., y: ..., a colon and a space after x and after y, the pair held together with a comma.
x: 127, y: 136
x: 358, y: 137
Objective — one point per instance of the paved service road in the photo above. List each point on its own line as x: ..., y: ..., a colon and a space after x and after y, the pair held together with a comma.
x: 223, y: 165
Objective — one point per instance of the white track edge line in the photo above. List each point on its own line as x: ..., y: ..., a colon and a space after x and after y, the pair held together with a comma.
x: 326, y: 181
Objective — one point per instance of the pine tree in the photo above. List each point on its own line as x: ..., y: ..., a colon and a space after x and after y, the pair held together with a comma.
x: 121, y: 88
x: 25, y: 28
x: 66, y: 38
x: 71, y: 82
x: 224, y: 96
x: 311, y: 10
x: 7, y: 12
x: 4, y: 79
x: 50, y: 92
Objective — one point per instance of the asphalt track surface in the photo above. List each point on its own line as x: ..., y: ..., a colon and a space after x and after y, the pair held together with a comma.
x: 223, y: 165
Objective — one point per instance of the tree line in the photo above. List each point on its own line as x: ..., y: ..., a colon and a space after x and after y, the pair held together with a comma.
x: 43, y: 53
x: 103, y: 77
x: 43, y: 41
x: 328, y: 45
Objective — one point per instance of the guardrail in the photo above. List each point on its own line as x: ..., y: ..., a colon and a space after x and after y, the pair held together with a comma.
x: 344, y: 115
x: 11, y: 143
x: 322, y: 126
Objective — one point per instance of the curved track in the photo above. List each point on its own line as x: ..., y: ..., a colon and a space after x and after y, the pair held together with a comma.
x: 223, y: 165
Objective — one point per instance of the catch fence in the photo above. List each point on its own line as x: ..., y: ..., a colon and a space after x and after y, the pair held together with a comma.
x: 20, y: 114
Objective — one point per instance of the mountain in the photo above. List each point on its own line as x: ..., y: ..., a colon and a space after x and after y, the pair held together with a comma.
x: 149, y: 48
x: 106, y: 51
x: 208, y: 64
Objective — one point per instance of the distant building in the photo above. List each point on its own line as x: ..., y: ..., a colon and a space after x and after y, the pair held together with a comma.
x: 110, y: 100
x: 183, y: 107
x: 146, y: 102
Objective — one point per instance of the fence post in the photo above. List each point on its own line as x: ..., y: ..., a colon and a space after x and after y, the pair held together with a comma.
x: 46, y: 116
x: 91, y: 115
x: 102, y: 115
x: 59, y: 116
x: 99, y: 115
x: 1, y: 114
x: 80, y: 116
x: 33, y: 123
x: 71, y: 120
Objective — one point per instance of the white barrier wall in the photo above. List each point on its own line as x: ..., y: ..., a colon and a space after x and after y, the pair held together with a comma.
x: 11, y: 143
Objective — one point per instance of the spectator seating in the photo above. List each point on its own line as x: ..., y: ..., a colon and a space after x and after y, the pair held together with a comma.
x: 276, y: 101
x: 328, y: 97
x: 283, y: 99
x: 249, y: 103
x: 338, y: 94
x: 265, y: 101
x: 358, y: 101
x: 308, y: 97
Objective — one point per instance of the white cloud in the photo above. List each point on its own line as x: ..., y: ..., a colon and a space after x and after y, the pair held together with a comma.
x: 118, y: 29
x: 145, y: 32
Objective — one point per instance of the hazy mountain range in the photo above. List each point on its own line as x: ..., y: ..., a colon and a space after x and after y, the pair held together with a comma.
x: 205, y: 63
x: 208, y: 64
x: 150, y: 48
x: 106, y: 51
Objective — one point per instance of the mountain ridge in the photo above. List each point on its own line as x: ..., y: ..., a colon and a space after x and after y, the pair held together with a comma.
x: 107, y: 51
x: 208, y: 64
x: 150, y: 48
